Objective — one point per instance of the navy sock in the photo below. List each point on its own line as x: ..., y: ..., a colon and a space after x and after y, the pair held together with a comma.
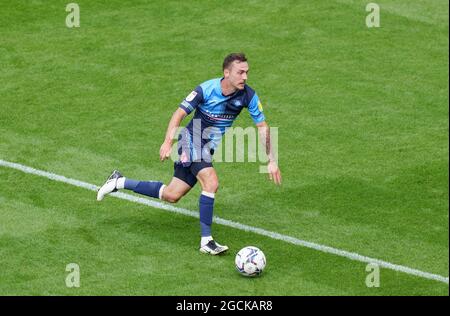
x: 149, y: 188
x: 206, y: 214
x: 130, y: 184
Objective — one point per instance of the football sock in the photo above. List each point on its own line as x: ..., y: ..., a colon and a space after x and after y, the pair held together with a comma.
x: 120, y: 184
x: 129, y: 184
x: 206, y: 203
x: 150, y: 188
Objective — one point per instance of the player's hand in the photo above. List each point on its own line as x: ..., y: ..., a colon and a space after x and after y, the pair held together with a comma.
x: 165, y: 151
x: 274, y: 172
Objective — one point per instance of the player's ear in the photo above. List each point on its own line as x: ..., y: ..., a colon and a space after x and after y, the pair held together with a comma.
x: 226, y: 72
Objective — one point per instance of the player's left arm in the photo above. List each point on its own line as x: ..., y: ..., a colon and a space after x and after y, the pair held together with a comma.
x: 256, y: 112
x: 272, y: 167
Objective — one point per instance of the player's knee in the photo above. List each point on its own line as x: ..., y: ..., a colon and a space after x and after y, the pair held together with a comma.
x: 211, y: 186
x: 175, y: 200
x: 172, y: 197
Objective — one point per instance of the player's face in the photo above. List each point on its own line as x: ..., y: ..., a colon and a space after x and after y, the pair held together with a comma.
x: 237, y: 74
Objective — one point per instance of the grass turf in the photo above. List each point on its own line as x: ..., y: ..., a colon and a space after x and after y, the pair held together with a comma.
x: 125, y: 249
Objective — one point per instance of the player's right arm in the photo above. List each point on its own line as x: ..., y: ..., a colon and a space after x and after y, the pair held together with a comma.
x: 175, y: 121
x: 192, y: 101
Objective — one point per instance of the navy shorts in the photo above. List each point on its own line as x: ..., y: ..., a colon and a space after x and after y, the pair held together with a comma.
x: 189, y: 173
x: 187, y: 168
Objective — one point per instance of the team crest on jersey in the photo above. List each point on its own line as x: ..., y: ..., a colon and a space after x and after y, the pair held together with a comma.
x: 237, y: 103
x: 191, y: 96
x: 260, y: 106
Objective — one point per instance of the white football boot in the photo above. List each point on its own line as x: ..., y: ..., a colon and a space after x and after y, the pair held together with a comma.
x: 213, y: 248
x: 109, y: 186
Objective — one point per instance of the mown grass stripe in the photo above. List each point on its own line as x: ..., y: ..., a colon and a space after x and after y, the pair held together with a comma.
x: 342, y: 253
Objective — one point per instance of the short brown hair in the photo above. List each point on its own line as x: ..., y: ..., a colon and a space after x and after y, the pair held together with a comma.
x: 233, y: 57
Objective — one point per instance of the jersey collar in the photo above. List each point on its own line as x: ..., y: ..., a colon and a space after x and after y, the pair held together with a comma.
x: 229, y: 95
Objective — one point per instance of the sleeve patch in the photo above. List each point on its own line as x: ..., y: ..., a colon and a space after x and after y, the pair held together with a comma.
x: 260, y: 107
x: 191, y: 96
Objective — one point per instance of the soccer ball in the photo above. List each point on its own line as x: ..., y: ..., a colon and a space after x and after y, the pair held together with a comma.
x: 250, y: 261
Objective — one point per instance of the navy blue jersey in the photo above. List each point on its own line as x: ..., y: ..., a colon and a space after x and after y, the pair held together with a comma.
x: 214, y: 112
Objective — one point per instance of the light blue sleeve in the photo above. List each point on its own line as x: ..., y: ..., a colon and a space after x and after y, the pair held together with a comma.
x: 255, y: 109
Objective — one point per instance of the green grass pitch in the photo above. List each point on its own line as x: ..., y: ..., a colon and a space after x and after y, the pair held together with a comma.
x: 362, y: 115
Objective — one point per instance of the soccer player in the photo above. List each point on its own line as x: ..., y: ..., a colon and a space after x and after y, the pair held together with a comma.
x: 216, y: 103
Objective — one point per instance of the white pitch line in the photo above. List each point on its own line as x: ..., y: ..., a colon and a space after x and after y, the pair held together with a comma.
x: 225, y: 222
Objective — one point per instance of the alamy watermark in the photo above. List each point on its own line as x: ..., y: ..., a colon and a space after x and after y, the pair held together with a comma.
x: 373, y: 18
x: 373, y: 278
x: 196, y: 143
x: 73, y: 278
x: 73, y: 18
